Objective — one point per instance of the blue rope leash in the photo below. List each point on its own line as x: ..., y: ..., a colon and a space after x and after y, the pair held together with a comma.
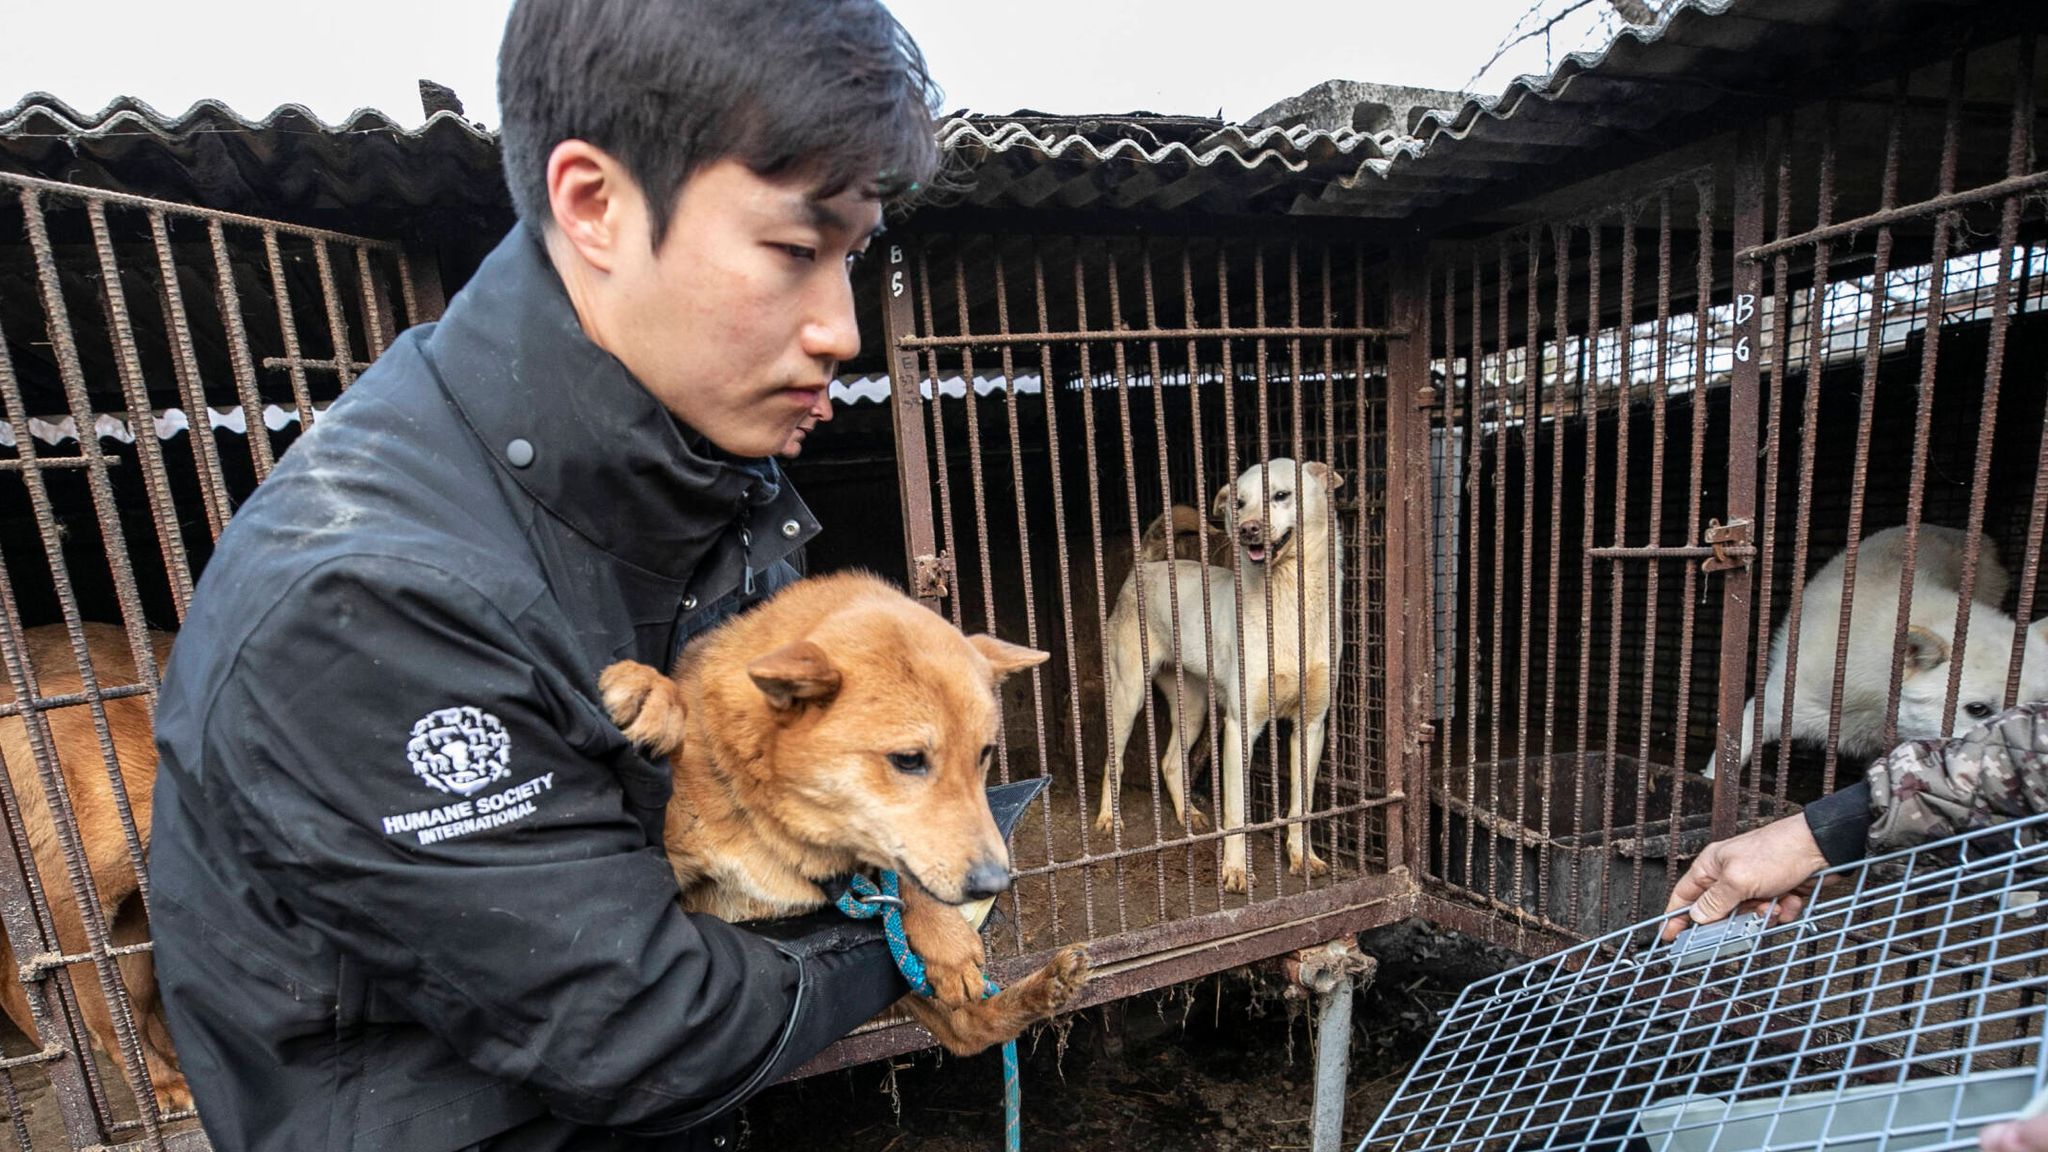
x: 862, y: 900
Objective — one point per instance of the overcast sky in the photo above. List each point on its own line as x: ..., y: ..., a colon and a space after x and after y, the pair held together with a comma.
x: 1167, y: 56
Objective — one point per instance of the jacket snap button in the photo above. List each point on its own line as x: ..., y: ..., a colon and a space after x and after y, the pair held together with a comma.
x: 689, y: 603
x: 718, y: 1141
x: 790, y: 528
x: 519, y: 453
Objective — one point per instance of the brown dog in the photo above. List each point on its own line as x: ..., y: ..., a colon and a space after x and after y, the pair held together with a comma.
x: 87, y: 781
x: 841, y: 727
x: 1177, y: 535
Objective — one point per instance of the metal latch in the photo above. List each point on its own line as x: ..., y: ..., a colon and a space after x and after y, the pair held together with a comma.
x: 1731, y: 545
x: 931, y: 577
x: 1721, y: 940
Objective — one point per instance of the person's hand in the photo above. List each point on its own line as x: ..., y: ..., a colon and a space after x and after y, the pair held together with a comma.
x: 1748, y: 871
x: 2017, y: 1136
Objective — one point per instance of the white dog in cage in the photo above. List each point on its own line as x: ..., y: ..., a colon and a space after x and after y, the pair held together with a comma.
x: 1929, y: 642
x: 1275, y: 659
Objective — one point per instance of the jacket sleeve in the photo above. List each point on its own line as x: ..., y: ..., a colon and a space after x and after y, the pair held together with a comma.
x: 1929, y: 789
x: 469, y: 827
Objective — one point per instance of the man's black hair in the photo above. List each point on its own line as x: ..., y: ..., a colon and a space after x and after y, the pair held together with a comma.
x: 832, y: 91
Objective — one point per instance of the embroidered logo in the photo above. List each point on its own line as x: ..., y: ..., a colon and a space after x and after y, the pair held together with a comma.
x: 460, y: 751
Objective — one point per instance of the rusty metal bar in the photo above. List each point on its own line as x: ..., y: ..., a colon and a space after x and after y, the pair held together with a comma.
x: 2018, y: 152
x: 980, y: 495
x: 1702, y: 301
x: 319, y: 364
x: 2007, y: 190
x: 1123, y: 335
x: 213, y: 487
x: 1781, y: 327
x: 419, y: 277
x: 1501, y: 407
x: 239, y: 356
x: 1859, y: 476
x: 1589, y: 408
x: 1560, y: 333
x: 337, y: 324
x: 1123, y: 397
x: 288, y: 328
x: 375, y: 337
x: 913, y: 466
x: 1025, y: 565
x: 1532, y: 419
x: 126, y: 200
x: 1474, y: 453
x: 1654, y: 627
x: 1409, y: 604
x: 1262, y: 367
x: 1624, y: 414
x: 949, y: 552
x: 1744, y: 382
x: 1059, y: 521
x: 128, y: 364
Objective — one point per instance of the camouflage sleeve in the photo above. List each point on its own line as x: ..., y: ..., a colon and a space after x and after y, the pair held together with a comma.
x: 1929, y: 789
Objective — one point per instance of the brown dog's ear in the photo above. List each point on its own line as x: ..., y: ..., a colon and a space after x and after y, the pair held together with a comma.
x: 1005, y: 657
x: 1925, y: 650
x: 1219, y: 508
x: 794, y: 673
x: 1328, y: 475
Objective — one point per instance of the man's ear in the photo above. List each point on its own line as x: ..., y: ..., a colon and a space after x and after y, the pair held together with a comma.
x: 593, y: 203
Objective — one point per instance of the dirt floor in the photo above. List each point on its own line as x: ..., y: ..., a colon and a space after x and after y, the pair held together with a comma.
x: 1224, y: 1064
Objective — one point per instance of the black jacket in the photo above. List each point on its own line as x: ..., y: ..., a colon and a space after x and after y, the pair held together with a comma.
x: 406, y: 878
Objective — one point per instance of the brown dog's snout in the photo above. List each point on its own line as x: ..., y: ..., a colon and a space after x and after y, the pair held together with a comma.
x: 987, y: 878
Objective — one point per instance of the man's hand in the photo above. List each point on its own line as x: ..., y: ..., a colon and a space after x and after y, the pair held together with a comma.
x: 2018, y: 1136
x: 1747, y: 871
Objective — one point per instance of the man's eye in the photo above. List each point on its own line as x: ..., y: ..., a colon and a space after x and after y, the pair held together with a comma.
x: 799, y: 251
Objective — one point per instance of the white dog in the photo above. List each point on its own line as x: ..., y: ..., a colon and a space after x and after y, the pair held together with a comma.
x: 1288, y: 561
x: 1930, y: 637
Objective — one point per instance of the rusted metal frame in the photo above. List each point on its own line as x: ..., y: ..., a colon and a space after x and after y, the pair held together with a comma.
x: 1728, y: 747
x: 1180, y: 701
x: 128, y: 200
x: 128, y: 366
x: 213, y: 486
x: 375, y: 338
x: 1112, y: 790
x: 1050, y: 390
x: 240, y: 358
x: 1277, y: 823
x: 1501, y: 406
x: 1123, y: 397
x: 419, y: 277
x: 1262, y: 369
x: 1624, y: 412
x: 1024, y: 563
x: 337, y: 323
x: 1407, y: 594
x: 1230, y: 529
x: 315, y: 364
x: 1560, y: 333
x: 906, y: 407
x: 2014, y: 187
x: 1297, y: 775
x: 69, y: 699
x: 2018, y: 152
x: 1589, y: 409
x: 1456, y: 495
x: 1474, y: 453
x: 1703, y: 293
x: 1741, y: 490
x: 1332, y: 371
x: 948, y: 553
x: 288, y: 327
x: 1532, y: 416
x: 1809, y: 434
x: 1149, y: 959
x: 1149, y: 334
x: 1661, y: 388
x: 1923, y: 422
x: 24, y: 907
x: 1859, y: 475
x: 1212, y: 727
x: 980, y: 489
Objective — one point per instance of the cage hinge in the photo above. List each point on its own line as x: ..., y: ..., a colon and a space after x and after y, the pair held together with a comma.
x: 1731, y: 545
x: 1425, y: 733
x: 931, y: 577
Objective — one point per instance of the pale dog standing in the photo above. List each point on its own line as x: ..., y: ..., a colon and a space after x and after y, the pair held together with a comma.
x: 1930, y: 636
x: 1290, y: 560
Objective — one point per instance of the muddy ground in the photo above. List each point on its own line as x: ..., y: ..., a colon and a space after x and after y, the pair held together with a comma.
x: 1224, y: 1064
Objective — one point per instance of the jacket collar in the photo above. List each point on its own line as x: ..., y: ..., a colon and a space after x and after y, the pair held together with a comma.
x: 567, y: 423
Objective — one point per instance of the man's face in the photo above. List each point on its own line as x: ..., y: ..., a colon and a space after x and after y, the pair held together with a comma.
x: 738, y: 321
x: 821, y: 412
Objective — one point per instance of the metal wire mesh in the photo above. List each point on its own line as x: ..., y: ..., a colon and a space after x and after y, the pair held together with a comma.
x: 1903, y: 1010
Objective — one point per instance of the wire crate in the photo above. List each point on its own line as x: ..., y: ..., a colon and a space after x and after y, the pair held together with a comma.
x: 1903, y: 1010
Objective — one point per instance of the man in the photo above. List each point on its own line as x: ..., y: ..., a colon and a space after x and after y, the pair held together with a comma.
x: 1924, y: 790
x: 407, y: 881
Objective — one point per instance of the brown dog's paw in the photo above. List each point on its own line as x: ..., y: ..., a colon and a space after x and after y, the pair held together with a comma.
x: 174, y: 1097
x: 645, y: 705
x: 1066, y: 975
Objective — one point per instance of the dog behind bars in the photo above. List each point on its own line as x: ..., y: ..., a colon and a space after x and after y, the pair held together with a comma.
x: 1287, y: 550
